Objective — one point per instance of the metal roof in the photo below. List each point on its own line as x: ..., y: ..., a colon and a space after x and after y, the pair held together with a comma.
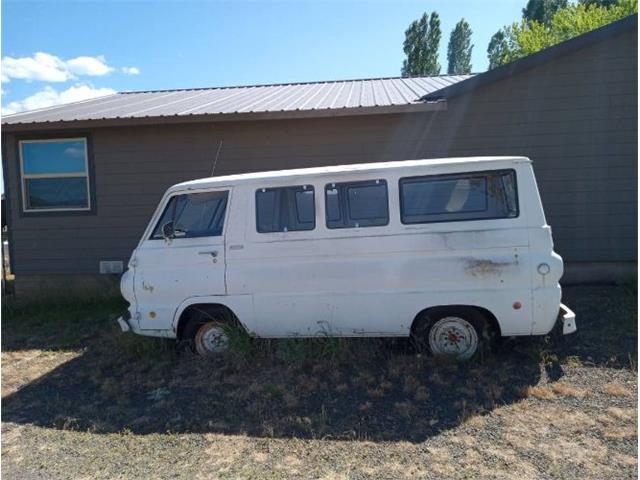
x: 314, y: 97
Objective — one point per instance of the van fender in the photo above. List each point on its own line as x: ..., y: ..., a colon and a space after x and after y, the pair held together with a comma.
x: 240, y: 305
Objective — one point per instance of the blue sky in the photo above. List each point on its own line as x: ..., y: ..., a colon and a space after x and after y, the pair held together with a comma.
x: 92, y: 47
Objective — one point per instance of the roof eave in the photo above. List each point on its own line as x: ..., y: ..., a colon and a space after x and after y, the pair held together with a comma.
x: 426, y: 106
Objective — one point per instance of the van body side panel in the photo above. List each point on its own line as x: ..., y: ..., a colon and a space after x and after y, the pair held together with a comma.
x: 374, y: 281
x: 376, y: 285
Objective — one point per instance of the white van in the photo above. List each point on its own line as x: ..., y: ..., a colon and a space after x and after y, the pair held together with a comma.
x: 453, y: 252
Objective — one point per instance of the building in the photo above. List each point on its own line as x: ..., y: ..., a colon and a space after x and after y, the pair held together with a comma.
x: 83, y: 179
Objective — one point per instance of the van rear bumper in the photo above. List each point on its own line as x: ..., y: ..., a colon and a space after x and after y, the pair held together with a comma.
x: 568, y: 319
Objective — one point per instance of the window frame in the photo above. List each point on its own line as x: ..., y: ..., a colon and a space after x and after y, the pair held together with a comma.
x: 460, y: 174
x: 345, y: 208
x: 296, y: 189
x: 87, y: 175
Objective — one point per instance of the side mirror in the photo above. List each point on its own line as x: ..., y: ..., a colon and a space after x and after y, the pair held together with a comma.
x: 167, y: 230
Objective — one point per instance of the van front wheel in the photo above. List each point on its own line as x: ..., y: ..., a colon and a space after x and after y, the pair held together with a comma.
x: 207, y: 337
x: 453, y: 333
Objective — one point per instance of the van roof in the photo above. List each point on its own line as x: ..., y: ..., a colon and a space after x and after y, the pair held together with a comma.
x: 473, y: 162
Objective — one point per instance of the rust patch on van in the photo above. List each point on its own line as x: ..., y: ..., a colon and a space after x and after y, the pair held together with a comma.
x: 480, y: 268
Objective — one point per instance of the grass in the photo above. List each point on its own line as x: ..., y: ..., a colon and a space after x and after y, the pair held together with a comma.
x: 59, y: 323
x: 129, y: 406
x: 616, y: 390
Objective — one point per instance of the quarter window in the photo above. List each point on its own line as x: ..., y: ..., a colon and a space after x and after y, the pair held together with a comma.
x: 357, y: 204
x: 449, y: 198
x: 55, y: 174
x: 193, y: 215
x: 285, y: 209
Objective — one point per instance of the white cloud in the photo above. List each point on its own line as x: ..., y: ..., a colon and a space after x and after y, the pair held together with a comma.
x: 94, y: 66
x: 50, y: 68
x: 49, y: 97
x: 41, y: 66
x: 131, y: 70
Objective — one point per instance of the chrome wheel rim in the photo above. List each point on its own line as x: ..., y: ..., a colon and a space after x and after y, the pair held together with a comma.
x: 211, y: 339
x: 453, y: 337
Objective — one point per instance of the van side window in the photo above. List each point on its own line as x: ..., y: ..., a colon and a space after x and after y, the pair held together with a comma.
x: 456, y: 197
x: 193, y: 215
x: 285, y: 209
x: 357, y: 204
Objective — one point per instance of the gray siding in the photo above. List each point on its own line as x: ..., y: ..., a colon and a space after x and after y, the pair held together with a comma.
x: 575, y: 117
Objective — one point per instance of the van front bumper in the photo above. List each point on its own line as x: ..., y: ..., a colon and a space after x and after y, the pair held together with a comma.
x: 568, y: 319
x: 123, y: 321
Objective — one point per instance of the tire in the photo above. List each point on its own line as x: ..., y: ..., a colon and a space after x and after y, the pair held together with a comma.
x: 456, y: 333
x: 205, y: 335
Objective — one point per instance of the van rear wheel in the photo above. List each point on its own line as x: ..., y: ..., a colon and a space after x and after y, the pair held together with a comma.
x: 455, y: 333
x: 206, y: 336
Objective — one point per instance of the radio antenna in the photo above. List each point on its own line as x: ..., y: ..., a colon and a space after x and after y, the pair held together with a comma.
x: 215, y: 162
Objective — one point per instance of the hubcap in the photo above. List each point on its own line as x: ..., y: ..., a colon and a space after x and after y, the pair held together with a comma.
x: 211, y: 339
x: 453, y: 337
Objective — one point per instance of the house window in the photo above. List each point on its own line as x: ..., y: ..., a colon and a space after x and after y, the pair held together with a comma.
x: 55, y: 175
x: 357, y: 204
x: 457, y: 197
x: 193, y: 215
x: 286, y: 209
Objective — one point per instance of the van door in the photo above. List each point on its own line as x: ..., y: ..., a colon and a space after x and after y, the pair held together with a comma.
x: 184, y: 256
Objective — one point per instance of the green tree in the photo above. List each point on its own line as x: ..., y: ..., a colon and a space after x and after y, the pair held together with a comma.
x: 421, y: 44
x: 499, y: 49
x: 599, y: 3
x: 459, y: 50
x: 527, y: 37
x: 542, y: 11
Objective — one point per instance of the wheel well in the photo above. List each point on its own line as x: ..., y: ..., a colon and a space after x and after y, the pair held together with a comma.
x: 211, y: 309
x: 490, y: 317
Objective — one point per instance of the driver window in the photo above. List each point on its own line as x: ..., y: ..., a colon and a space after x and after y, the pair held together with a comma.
x: 193, y: 215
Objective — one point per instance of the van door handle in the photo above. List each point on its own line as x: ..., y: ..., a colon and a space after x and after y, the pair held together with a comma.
x: 213, y: 253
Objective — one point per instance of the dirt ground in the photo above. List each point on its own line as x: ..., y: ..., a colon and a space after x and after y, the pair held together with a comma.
x: 82, y: 400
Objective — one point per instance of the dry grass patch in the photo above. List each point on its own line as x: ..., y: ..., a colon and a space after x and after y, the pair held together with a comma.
x: 421, y: 394
x: 588, y: 453
x: 342, y: 387
x: 624, y: 414
x: 615, y: 389
x: 621, y: 433
x: 476, y: 421
x: 539, y: 392
x: 376, y: 392
x: 625, y: 460
x: 291, y: 401
x: 411, y: 384
x: 306, y: 383
x: 567, y: 390
x: 406, y: 409
x: 440, y: 461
